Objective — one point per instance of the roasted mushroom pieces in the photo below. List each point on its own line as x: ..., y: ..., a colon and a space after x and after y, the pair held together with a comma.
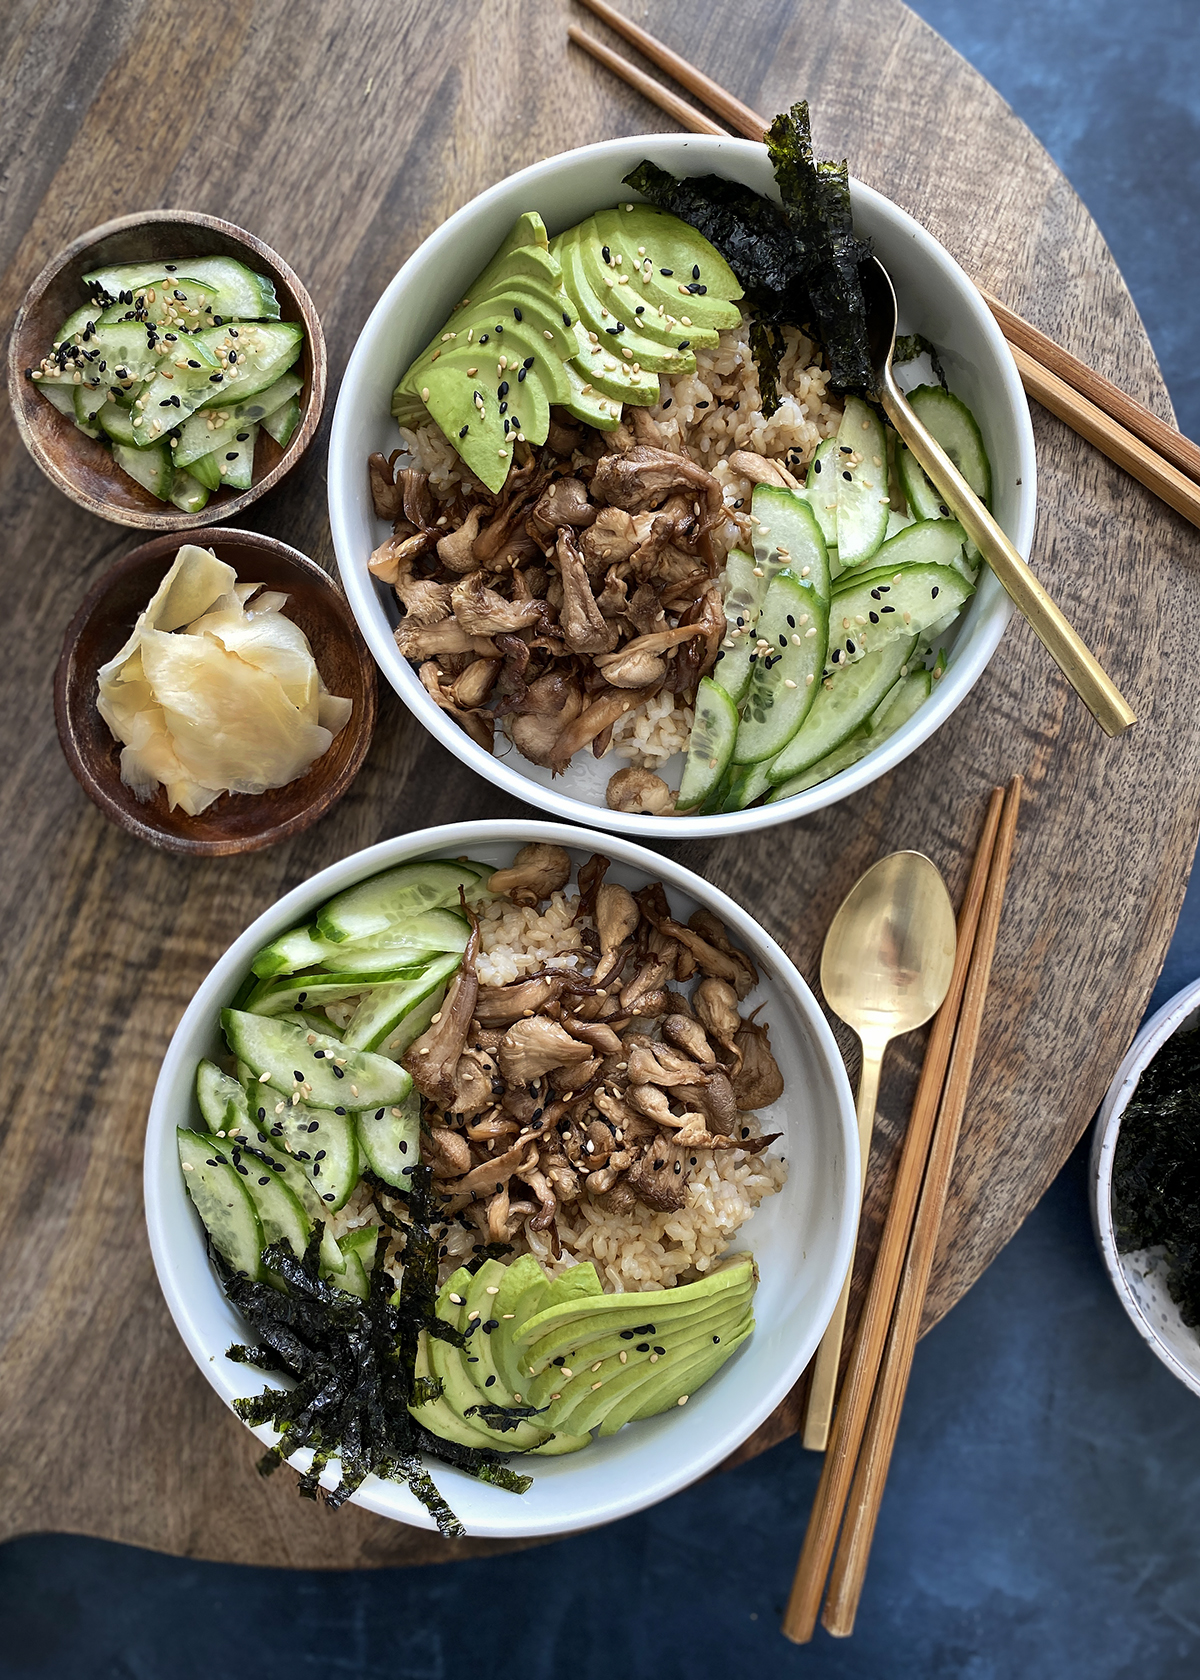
x: 600, y: 1080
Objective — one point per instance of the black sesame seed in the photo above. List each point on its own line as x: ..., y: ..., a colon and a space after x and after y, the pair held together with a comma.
x: 887, y: 609
x: 640, y: 310
x: 490, y: 1324
x: 660, y: 1351
x: 315, y: 1126
x: 643, y: 1347
x: 783, y: 641
x: 464, y: 431
x: 612, y: 330
x: 606, y: 254
x: 502, y: 388
x: 316, y: 1171
x: 379, y: 1113
x: 499, y: 328
x: 483, y: 338
x: 321, y: 1153
x: 695, y: 271
x: 488, y: 1381
x: 684, y: 343
x: 850, y: 648
x: 265, y: 1180
x: 318, y: 1055
x: 934, y: 592
x: 262, y: 1114
x: 791, y: 621
x: 243, y: 437
x: 521, y: 376
x: 668, y: 402
x: 231, y: 454
x: 517, y: 316
x: 816, y: 466
x: 667, y: 271
x: 561, y: 1360
x: 845, y: 449
x: 339, y: 1111
x: 171, y: 268
x: 874, y: 617
x: 338, y: 1073
x: 297, y: 1076
x: 745, y: 1131
x: 701, y: 405
x: 716, y: 1338
x: 233, y: 332
x: 329, y: 1196
x: 192, y: 364
x: 215, y: 378
x: 848, y: 477
x: 628, y: 1335
x: 566, y: 323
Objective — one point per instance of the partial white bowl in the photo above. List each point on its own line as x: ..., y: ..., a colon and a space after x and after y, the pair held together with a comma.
x: 936, y: 298
x: 1139, y: 1277
x: 802, y: 1238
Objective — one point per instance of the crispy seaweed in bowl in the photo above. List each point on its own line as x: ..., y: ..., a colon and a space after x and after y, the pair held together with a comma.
x: 800, y: 1239
x: 937, y: 301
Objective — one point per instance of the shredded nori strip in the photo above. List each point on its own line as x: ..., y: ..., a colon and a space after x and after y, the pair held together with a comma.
x: 796, y: 265
x: 485, y: 1252
x: 353, y: 1365
x: 1156, y: 1169
x: 503, y: 1418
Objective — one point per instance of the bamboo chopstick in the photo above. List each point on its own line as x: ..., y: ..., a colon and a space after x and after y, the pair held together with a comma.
x: 850, y: 1420
x: 850, y: 1564
x: 1124, y: 415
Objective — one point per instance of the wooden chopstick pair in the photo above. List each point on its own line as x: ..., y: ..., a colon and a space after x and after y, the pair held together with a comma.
x: 872, y: 1393
x: 1146, y: 447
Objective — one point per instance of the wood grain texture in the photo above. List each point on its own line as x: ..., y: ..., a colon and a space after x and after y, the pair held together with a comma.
x: 382, y: 119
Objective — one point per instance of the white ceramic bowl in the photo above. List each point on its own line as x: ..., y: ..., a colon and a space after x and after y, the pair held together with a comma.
x: 1139, y: 1277
x: 936, y: 298
x: 802, y: 1237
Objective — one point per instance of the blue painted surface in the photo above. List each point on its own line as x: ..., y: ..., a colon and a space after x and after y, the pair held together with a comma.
x: 1043, y: 1513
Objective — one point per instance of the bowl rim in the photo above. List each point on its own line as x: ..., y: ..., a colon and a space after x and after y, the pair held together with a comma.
x: 962, y: 673
x: 171, y: 519
x: 129, y: 821
x: 229, y: 969
x: 1161, y: 1026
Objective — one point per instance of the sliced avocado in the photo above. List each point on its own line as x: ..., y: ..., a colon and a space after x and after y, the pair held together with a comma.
x: 524, y: 250
x: 588, y: 1349
x: 585, y: 403
x: 601, y: 1385
x: 523, y: 1293
x: 672, y: 1381
x: 670, y: 251
x: 608, y: 372
x: 483, y: 1297
x: 457, y: 1369
x: 610, y: 315
x: 609, y: 282
x: 436, y: 1415
x: 557, y: 1328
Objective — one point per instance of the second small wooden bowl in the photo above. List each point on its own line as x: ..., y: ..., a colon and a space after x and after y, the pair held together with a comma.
x: 236, y: 822
x: 82, y: 467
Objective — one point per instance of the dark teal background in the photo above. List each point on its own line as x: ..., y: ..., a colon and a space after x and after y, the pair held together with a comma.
x: 1042, y: 1520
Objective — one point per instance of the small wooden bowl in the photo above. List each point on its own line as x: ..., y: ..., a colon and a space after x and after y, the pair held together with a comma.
x: 236, y: 822
x: 82, y: 467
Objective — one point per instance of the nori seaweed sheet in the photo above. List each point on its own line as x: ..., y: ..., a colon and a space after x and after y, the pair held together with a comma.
x: 1156, y: 1169
x: 353, y: 1364
x: 797, y: 265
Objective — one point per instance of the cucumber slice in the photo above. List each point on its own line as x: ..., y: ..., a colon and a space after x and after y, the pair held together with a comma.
x: 76, y: 323
x: 892, y: 603
x: 710, y: 746
x: 364, y: 1241
x: 352, y: 1277
x: 283, y: 422
x: 222, y: 1201
x: 409, y: 943
x: 789, y: 534
x: 257, y: 1134
x: 820, y: 490
x: 211, y: 431
x: 954, y: 427
x: 748, y: 783
x: 783, y: 682
x: 188, y: 493
x: 180, y: 383
x: 178, y: 304
x: 258, y: 353
x: 324, y: 1072
x: 843, y: 704
x: 745, y: 587
x: 235, y: 462
x: 860, y: 468
x: 924, y: 501
x: 151, y: 467
x: 376, y: 1022
x: 413, y: 1025
x: 223, y: 1102
x: 294, y: 994
x: 280, y: 1213
x: 387, y: 899
x: 390, y: 1139
x: 935, y: 542
x: 240, y: 292
x: 88, y: 400
x: 61, y: 396
x: 323, y: 1142
x: 904, y: 698
x: 207, y: 472
x: 116, y: 422
x: 298, y: 948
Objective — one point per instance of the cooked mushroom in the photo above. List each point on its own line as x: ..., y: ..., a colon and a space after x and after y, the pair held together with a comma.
x: 759, y: 470
x: 482, y: 612
x: 713, y: 930
x: 531, y: 1048
x: 502, y: 1005
x: 617, y: 916
x: 550, y: 707
x: 427, y: 641
x: 659, y: 1178
x: 537, y: 871
x: 714, y: 1099
x: 613, y: 537
x: 600, y: 715
x: 689, y: 1036
x: 758, y: 1081
x: 476, y: 683
x: 488, y: 1176
x: 652, y: 1063
x: 478, y: 724
x: 386, y: 496
x: 641, y: 661
x: 432, y: 1058
x: 447, y: 1151
x: 455, y: 551
x: 712, y: 961
x: 564, y: 503
x: 715, y: 1003
x: 584, y: 627
x: 643, y: 477
x: 639, y: 791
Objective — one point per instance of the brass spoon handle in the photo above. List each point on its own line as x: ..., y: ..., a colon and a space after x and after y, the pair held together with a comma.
x: 1080, y: 667
x: 823, y: 1386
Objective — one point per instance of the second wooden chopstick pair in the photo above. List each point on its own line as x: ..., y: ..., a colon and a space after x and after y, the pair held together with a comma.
x: 1146, y: 447
x: 872, y: 1394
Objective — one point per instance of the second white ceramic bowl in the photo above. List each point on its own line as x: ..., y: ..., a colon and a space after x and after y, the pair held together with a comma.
x: 936, y: 298
x: 802, y: 1238
x: 1139, y: 1278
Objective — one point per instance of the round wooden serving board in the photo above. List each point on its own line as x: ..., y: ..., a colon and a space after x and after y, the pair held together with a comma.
x: 343, y: 136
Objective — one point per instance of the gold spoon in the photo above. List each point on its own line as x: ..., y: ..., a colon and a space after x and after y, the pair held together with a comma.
x: 1081, y: 668
x: 885, y: 970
